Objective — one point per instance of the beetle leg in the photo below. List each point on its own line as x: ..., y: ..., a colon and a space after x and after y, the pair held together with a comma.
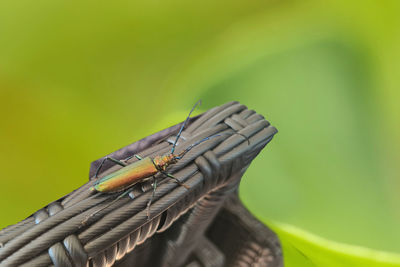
x: 119, y: 162
x: 175, y: 179
x: 135, y: 155
x: 152, y: 197
x: 106, y: 206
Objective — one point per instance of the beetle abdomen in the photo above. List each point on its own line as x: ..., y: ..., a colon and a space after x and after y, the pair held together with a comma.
x: 126, y: 177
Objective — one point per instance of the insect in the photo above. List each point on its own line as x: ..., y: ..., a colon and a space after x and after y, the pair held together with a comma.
x: 142, y: 170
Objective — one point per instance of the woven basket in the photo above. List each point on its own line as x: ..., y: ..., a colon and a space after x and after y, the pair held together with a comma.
x: 205, y: 225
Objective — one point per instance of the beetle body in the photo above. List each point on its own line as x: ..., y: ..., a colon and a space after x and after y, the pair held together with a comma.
x: 140, y: 171
x: 134, y: 173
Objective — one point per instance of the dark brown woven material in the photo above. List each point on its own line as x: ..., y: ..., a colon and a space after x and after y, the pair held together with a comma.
x: 195, y: 226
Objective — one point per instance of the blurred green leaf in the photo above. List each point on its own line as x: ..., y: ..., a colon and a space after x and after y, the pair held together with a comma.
x: 304, y: 249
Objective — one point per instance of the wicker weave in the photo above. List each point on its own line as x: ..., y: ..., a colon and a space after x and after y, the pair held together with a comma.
x: 56, y: 234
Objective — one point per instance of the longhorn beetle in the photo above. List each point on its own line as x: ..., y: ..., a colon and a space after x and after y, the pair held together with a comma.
x: 142, y: 170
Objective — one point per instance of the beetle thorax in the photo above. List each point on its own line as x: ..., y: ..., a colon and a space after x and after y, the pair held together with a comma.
x: 162, y: 162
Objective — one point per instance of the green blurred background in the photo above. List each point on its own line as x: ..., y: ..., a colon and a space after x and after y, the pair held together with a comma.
x: 79, y: 80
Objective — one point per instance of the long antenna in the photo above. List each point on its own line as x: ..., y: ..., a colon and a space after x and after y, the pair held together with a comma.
x: 183, y: 126
x: 195, y: 144
x: 183, y: 153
